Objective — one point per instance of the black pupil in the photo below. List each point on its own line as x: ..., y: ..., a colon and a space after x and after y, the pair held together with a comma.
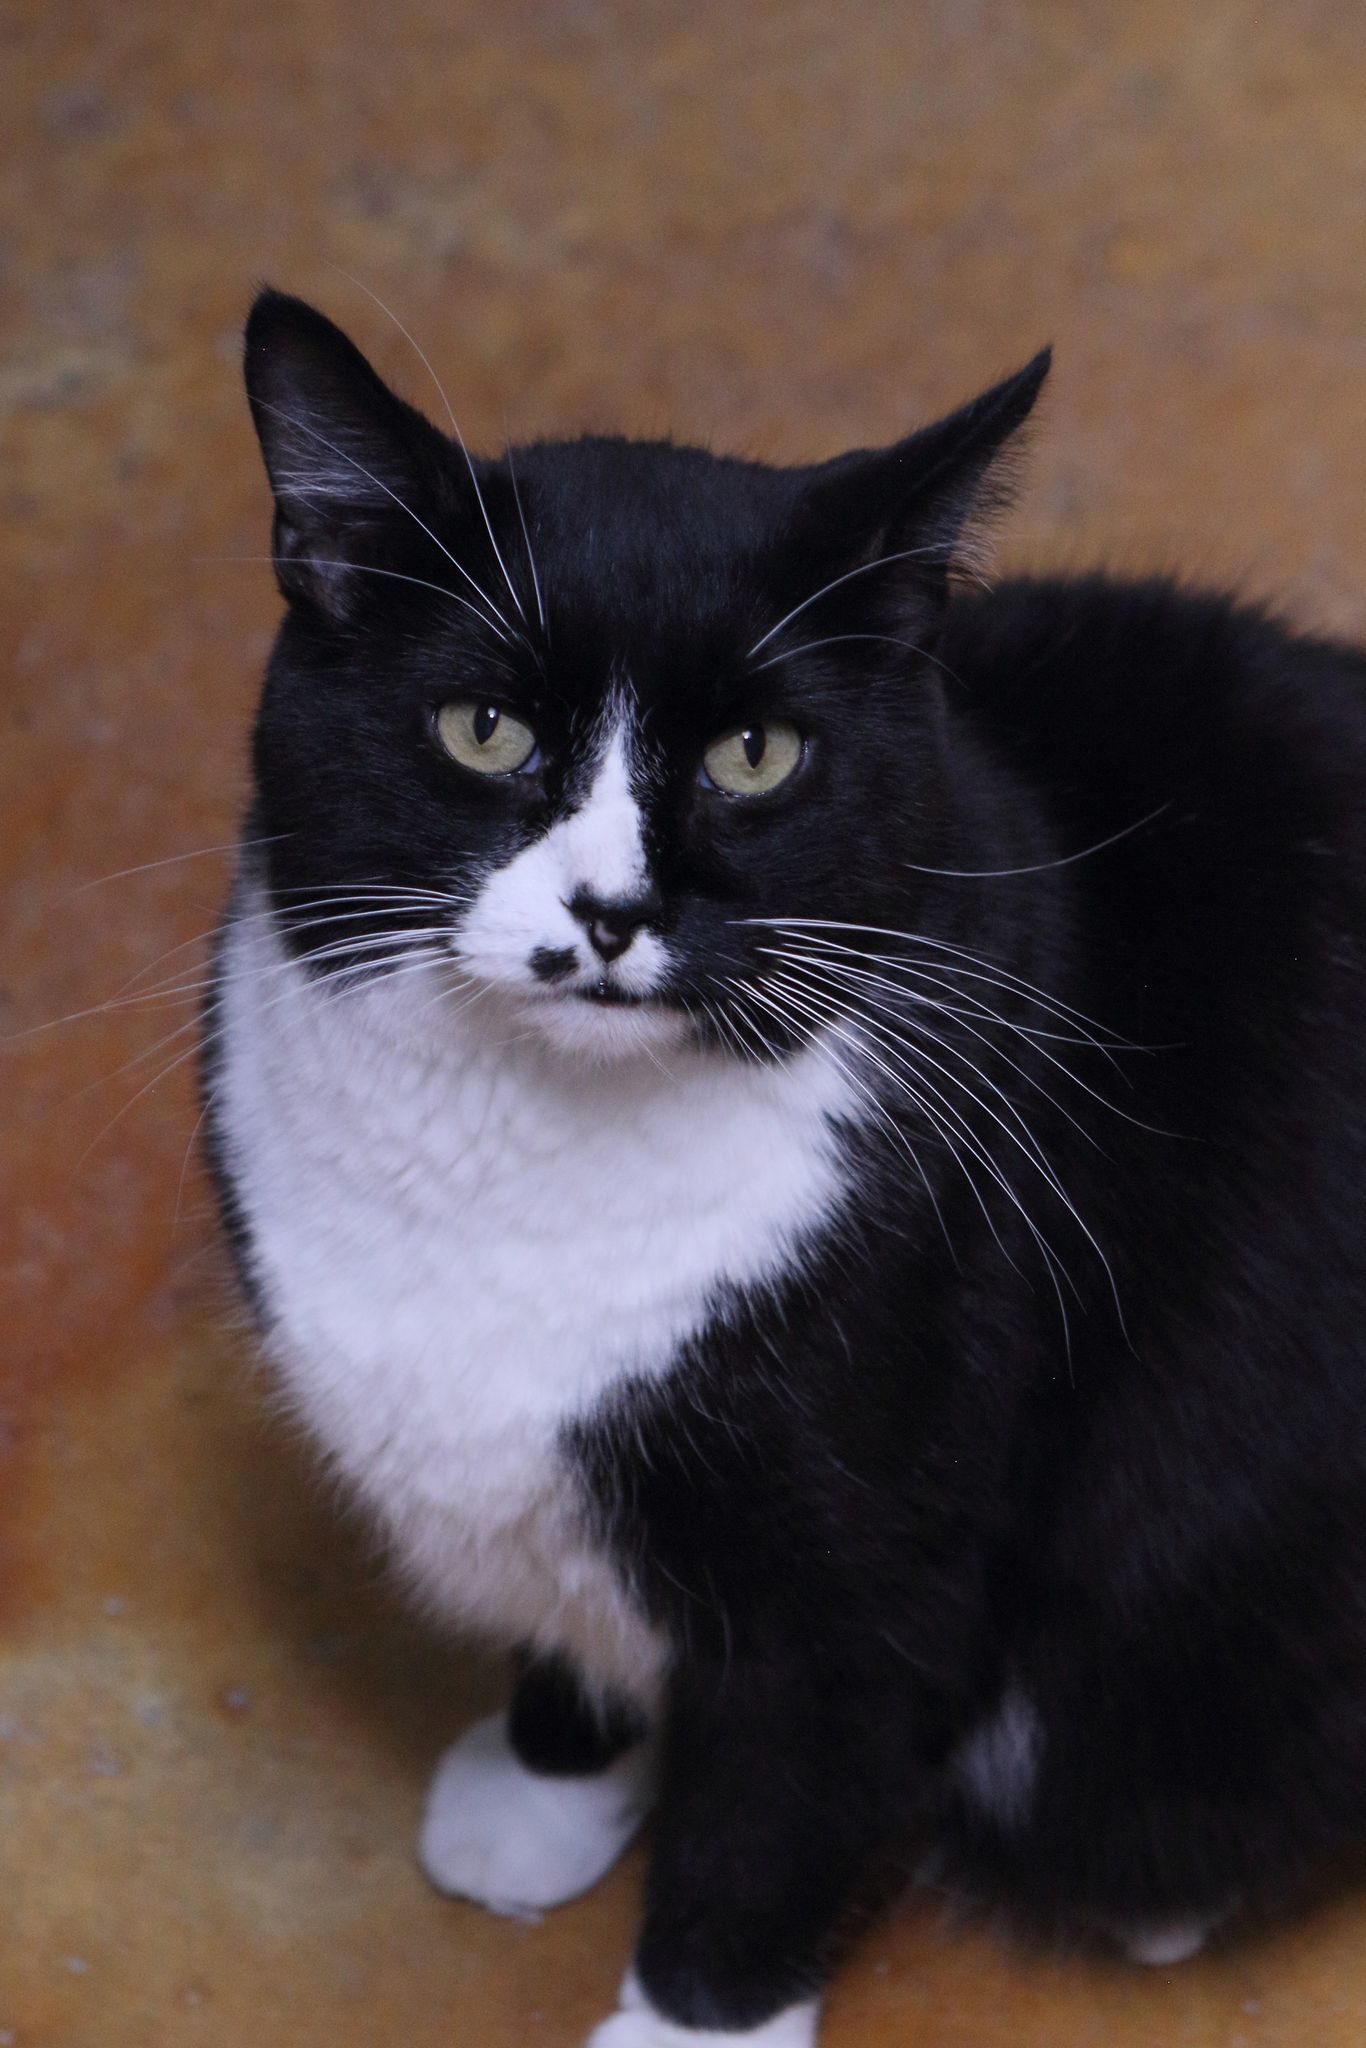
x: 753, y: 742
x: 485, y: 723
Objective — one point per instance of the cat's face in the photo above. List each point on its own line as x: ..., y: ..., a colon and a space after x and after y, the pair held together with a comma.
x: 590, y: 724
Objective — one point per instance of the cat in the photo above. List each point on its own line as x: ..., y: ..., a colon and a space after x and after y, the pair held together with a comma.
x: 794, y: 1124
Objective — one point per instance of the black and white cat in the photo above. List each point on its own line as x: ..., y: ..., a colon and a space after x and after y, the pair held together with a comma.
x: 796, y: 1131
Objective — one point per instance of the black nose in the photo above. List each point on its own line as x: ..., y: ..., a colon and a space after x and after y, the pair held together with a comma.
x: 612, y: 926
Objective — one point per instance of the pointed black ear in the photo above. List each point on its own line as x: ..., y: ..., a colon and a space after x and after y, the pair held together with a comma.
x: 345, y: 456
x: 919, y: 500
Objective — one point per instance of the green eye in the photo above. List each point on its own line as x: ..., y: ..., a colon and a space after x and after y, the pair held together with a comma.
x: 753, y: 760
x: 481, y: 737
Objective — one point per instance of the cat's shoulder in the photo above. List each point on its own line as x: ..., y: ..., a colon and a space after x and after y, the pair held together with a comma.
x: 1103, y: 663
x: 1028, y: 628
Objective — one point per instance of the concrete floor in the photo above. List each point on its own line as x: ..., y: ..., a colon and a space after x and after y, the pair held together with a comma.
x: 778, y: 225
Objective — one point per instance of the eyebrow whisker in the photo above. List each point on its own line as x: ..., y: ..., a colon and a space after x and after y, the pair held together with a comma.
x: 863, y: 568
x: 302, y: 426
x: 422, y: 357
x: 526, y: 537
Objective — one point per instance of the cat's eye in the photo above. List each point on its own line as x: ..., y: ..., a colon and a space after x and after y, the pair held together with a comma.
x: 485, y: 738
x: 754, y: 759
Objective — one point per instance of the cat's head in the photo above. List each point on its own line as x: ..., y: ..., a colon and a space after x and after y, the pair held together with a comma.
x: 587, y: 723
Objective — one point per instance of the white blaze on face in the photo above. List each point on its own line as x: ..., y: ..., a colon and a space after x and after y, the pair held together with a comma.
x: 597, y: 851
x: 603, y: 844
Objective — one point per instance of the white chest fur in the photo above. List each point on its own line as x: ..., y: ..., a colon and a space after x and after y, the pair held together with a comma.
x: 465, y: 1241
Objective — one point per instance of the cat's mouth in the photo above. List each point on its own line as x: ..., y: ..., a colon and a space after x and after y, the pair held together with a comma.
x: 605, y: 1020
x: 612, y: 994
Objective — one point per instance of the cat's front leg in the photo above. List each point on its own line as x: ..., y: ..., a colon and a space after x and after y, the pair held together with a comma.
x: 532, y: 1806
x: 772, y: 1818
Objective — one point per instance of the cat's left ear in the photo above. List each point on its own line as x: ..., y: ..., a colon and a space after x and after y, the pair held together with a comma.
x: 919, y: 501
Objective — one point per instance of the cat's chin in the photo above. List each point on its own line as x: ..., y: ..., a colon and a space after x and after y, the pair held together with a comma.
x: 608, y: 1031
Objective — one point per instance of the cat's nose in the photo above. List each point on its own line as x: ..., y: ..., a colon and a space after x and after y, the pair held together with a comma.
x: 612, y: 926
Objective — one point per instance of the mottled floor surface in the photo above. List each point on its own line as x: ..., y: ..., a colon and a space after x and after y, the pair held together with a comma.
x: 783, y: 227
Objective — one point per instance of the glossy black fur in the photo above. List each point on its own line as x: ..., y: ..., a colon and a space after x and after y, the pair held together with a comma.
x: 935, y: 1466
x: 869, y: 1507
x: 558, y: 1730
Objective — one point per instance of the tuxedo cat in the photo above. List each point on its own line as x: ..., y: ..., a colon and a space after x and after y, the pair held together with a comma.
x: 795, y: 1128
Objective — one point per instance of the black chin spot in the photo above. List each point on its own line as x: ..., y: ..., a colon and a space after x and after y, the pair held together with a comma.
x: 553, y: 963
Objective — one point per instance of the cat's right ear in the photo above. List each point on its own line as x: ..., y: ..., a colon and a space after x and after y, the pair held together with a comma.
x: 911, y: 511
x: 346, y: 458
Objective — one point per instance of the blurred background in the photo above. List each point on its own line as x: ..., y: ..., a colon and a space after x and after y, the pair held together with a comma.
x: 779, y: 226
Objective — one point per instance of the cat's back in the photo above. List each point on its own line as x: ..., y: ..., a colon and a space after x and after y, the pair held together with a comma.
x: 1215, y: 761
x: 1104, y: 688
x: 1202, y: 773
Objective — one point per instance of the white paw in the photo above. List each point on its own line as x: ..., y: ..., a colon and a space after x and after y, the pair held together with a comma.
x: 1165, y: 1943
x: 517, y: 1842
x: 637, y: 2025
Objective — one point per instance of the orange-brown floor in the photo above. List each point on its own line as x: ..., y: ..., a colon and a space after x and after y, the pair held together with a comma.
x: 779, y: 225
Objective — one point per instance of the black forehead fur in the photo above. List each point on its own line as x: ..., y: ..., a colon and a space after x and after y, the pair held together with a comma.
x: 659, y: 567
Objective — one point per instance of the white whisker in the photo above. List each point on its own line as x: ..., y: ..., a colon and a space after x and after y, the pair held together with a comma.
x: 130, y: 997
x: 1042, y: 866
x: 507, y: 630
x: 819, y: 1041
x: 421, y: 354
x: 801, y: 925
x: 526, y: 538
x: 888, y: 639
x: 818, y: 1037
x: 1052, y: 1263
x: 858, y: 974
x: 118, y: 1117
x: 170, y: 860
x: 148, y: 1052
x: 852, y: 978
x: 190, y: 1144
x: 1023, y: 1139
x: 360, y: 569
x: 863, y: 569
